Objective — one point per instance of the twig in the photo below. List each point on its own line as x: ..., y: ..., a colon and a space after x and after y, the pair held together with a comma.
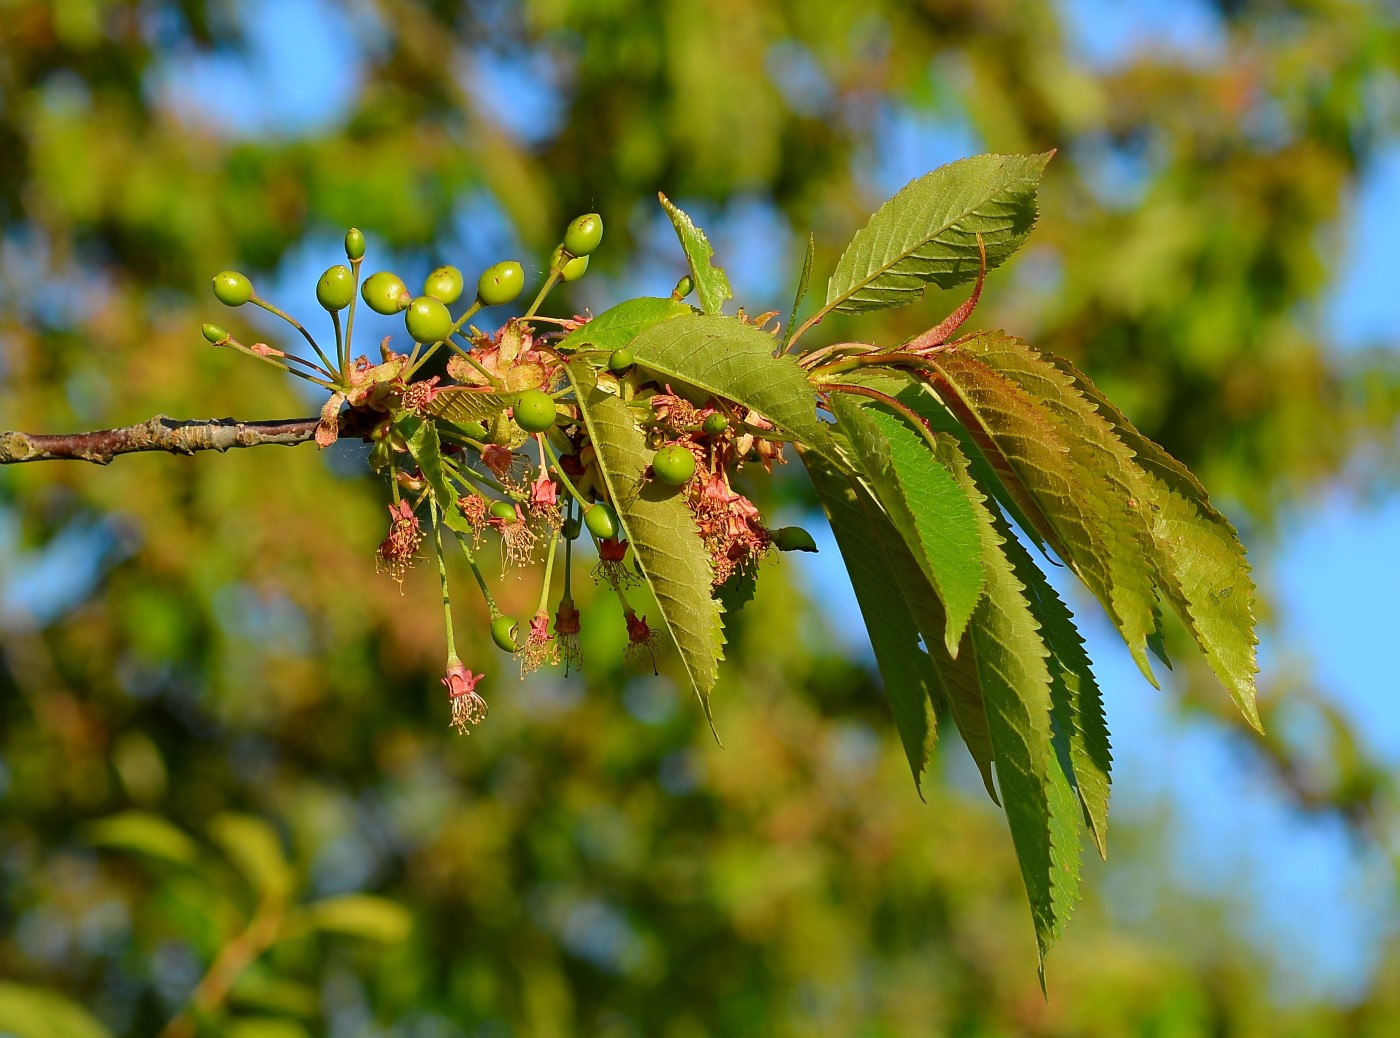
x: 160, y: 433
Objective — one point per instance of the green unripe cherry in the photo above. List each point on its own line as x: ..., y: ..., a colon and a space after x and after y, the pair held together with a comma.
x: 427, y: 320
x: 385, y: 293
x: 683, y: 287
x: 336, y: 288
x: 570, y: 270
x: 601, y: 521
x: 504, y: 511
x: 620, y: 360
x: 793, y: 538
x: 584, y: 234
x: 445, y: 283
x: 500, y: 284
x: 714, y: 424
x: 673, y: 465
x: 503, y: 633
x: 354, y: 244
x: 534, y: 411
x: 214, y: 334
x: 232, y: 288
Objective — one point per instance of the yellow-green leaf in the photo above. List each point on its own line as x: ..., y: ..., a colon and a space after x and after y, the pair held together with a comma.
x: 143, y: 833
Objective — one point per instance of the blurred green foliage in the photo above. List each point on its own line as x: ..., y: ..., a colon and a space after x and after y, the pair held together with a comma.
x: 589, y: 862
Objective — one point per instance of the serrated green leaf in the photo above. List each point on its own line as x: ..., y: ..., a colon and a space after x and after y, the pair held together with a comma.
x: 463, y: 404
x: 711, y: 283
x: 1012, y: 666
x: 927, y: 233
x: 616, y: 327
x: 1042, y: 463
x: 358, y: 915
x: 899, y: 608
x: 255, y: 849
x: 661, y: 529
x: 143, y: 833
x: 1202, y: 569
x: 926, y: 502
x: 426, y: 452
x: 31, y: 1012
x: 803, y: 282
x: 729, y: 359
x: 737, y: 591
x: 1077, y: 716
x: 1105, y: 477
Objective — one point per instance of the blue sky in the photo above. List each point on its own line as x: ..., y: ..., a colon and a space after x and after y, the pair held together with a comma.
x: 1333, y: 568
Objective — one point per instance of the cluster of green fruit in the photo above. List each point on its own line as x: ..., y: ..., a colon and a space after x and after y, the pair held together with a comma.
x: 461, y: 453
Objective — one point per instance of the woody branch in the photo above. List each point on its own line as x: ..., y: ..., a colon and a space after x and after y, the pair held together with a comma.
x: 159, y: 433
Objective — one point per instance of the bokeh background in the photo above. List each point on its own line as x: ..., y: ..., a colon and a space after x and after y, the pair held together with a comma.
x: 199, y: 650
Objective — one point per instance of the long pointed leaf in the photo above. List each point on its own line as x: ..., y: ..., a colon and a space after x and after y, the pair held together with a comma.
x: 927, y: 233
x: 803, y: 282
x: 661, y: 530
x: 711, y: 283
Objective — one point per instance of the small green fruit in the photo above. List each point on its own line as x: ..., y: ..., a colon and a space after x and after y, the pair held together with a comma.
x: 793, y: 538
x: 714, y: 424
x: 500, y: 284
x: 336, y: 288
x: 584, y: 235
x: 569, y: 269
x: 620, y: 360
x: 354, y: 244
x: 445, y: 284
x: 572, y: 527
x: 215, y: 334
x: 503, y: 633
x: 674, y: 465
x: 534, y: 411
x: 427, y: 320
x: 232, y: 288
x: 601, y: 521
x: 683, y: 288
x: 385, y: 293
x: 504, y: 511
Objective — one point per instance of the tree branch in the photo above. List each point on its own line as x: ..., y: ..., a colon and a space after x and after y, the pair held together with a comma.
x: 156, y: 434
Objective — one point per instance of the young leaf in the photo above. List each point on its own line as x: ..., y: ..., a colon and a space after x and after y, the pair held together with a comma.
x: 616, y: 327
x: 1077, y: 714
x: 426, y: 451
x: 711, y: 283
x: 1037, y: 464
x: 1205, y: 575
x: 661, y: 530
x: 729, y: 359
x: 899, y: 607
x: 927, y: 233
x: 464, y: 404
x: 926, y: 503
x: 802, y: 283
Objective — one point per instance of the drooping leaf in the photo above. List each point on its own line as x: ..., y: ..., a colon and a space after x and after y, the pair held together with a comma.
x: 1105, y: 477
x: 617, y: 326
x: 927, y: 233
x: 803, y: 282
x: 1031, y: 452
x: 926, y: 503
x: 464, y: 404
x: 711, y: 283
x: 724, y: 357
x: 899, y: 608
x: 661, y: 529
x: 33, y: 1012
x: 255, y: 849
x: 357, y: 915
x: 143, y: 833
x: 1206, y: 576
x: 1077, y: 714
x: 1012, y: 666
x: 423, y: 446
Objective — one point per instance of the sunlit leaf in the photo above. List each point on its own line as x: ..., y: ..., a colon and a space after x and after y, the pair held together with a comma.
x: 727, y: 358
x: 255, y: 849
x: 803, y: 282
x: 31, y: 1012
x: 359, y: 915
x: 927, y: 503
x: 143, y: 833
x: 711, y: 283
x: 927, y: 233
x: 661, y: 529
x: 614, y: 328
